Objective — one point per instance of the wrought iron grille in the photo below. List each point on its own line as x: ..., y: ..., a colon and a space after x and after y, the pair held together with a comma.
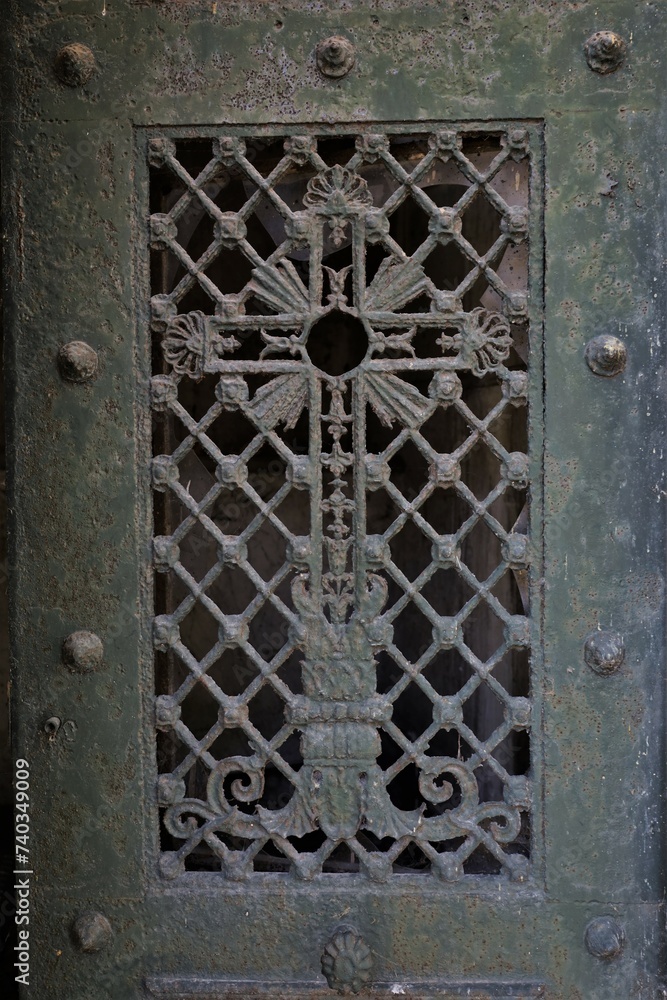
x: 341, y: 473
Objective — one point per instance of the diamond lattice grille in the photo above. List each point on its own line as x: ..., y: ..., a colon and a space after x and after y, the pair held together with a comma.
x: 342, y: 474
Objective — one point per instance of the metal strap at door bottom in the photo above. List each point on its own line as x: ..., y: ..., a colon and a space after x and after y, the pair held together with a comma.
x: 224, y: 989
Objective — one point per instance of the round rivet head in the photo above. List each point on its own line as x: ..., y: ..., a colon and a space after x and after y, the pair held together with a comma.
x: 606, y: 355
x: 78, y: 361
x: 605, y: 52
x: 604, y: 652
x: 83, y: 652
x: 605, y: 938
x: 75, y: 65
x: 92, y: 931
x: 335, y: 56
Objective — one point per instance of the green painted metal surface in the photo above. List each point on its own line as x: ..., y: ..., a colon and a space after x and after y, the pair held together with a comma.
x: 76, y: 211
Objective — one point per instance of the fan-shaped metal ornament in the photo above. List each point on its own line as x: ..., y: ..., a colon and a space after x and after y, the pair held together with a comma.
x: 347, y: 961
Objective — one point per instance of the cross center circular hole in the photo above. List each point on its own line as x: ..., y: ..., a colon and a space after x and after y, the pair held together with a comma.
x: 337, y: 343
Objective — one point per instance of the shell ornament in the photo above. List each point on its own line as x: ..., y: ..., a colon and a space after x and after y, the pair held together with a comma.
x: 347, y: 961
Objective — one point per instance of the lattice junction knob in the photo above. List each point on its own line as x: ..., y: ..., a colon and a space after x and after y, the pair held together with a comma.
x: 347, y: 961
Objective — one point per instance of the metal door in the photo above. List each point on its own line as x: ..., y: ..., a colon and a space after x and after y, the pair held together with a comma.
x: 336, y: 351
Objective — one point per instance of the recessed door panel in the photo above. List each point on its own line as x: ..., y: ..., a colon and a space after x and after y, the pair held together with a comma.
x: 335, y: 342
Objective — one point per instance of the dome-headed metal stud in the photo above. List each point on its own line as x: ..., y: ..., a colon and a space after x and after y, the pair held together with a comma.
x: 75, y: 65
x: 83, y: 652
x: 605, y: 52
x: 604, y: 937
x: 606, y: 355
x: 604, y: 652
x: 335, y: 56
x: 78, y: 361
x: 92, y: 931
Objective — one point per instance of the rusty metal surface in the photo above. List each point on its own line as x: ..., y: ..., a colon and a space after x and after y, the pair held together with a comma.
x: 80, y: 490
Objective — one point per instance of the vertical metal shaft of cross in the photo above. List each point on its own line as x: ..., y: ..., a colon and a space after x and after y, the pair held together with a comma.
x: 340, y: 742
